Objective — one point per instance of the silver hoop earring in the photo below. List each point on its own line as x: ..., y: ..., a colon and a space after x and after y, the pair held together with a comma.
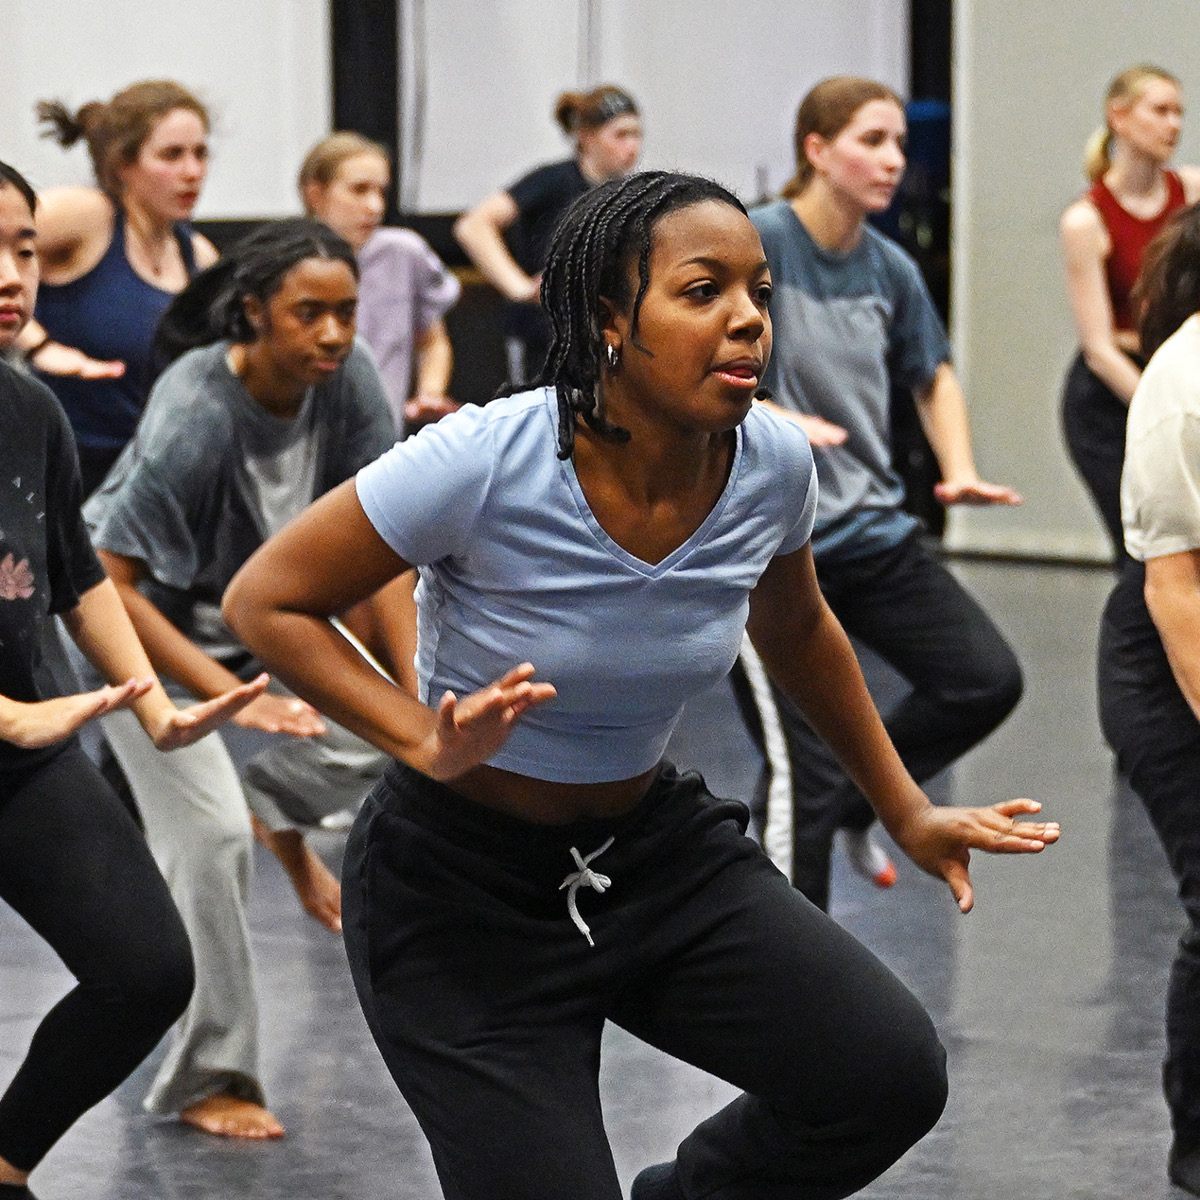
x: 612, y: 355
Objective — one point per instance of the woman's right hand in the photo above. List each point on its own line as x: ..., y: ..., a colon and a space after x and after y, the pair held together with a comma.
x: 56, y: 359
x: 281, y: 714
x: 32, y: 726
x: 466, y: 733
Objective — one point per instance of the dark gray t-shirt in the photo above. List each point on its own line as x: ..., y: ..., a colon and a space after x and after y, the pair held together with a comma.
x: 210, y: 475
x: 848, y: 328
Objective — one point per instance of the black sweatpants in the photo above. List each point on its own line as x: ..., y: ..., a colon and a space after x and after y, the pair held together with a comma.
x: 74, y: 865
x: 1156, y: 737
x: 487, y: 998
x: 904, y: 605
x: 1094, y: 420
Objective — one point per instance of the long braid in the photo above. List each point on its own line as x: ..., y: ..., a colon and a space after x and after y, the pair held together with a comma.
x: 600, y: 236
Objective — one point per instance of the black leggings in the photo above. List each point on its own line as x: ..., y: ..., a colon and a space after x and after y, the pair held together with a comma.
x: 73, y: 864
x: 1094, y: 421
x: 487, y: 1000
x: 1156, y: 737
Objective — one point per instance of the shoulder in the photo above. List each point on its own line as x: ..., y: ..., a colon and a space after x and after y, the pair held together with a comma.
x: 775, y: 444
x: 28, y: 403
x: 550, y: 179
x: 394, y: 244
x: 75, y: 227
x: 771, y: 220
x: 1081, y: 227
x: 892, y: 262
x: 1190, y: 178
x: 206, y: 253
x: 189, y: 402
x: 1081, y: 214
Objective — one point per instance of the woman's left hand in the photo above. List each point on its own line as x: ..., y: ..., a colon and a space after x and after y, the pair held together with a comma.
x: 975, y: 492
x: 940, y: 840
x: 181, y: 727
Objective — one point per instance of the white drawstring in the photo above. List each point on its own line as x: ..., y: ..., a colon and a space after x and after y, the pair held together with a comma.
x: 577, y: 879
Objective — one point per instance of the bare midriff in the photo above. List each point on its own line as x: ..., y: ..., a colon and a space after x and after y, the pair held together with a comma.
x: 547, y: 802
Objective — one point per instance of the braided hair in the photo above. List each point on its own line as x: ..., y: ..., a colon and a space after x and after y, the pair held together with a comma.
x: 212, y: 305
x: 601, y: 235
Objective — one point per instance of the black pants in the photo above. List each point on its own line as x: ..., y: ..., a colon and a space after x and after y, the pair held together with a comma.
x: 73, y: 864
x: 1094, y: 420
x: 487, y: 1000
x: 965, y: 680
x: 1157, y: 741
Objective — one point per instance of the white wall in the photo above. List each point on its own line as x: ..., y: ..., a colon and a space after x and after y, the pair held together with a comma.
x: 261, y: 65
x: 718, y: 81
x: 1029, y: 83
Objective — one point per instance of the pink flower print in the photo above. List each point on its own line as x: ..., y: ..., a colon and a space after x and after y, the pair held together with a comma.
x: 16, y: 579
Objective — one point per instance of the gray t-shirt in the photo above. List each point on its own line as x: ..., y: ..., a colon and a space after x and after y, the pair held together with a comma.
x: 848, y: 329
x: 210, y: 474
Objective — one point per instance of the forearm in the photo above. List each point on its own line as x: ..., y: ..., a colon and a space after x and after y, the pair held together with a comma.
x: 100, y: 626
x: 819, y: 672
x: 943, y: 414
x: 435, y: 361
x: 313, y: 659
x: 1114, y: 368
x: 485, y: 247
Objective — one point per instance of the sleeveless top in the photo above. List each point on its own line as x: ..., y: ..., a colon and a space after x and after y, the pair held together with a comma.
x: 1129, y: 236
x: 109, y: 313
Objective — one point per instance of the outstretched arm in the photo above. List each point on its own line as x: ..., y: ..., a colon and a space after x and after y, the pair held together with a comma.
x: 321, y: 564
x: 808, y: 654
x: 102, y: 630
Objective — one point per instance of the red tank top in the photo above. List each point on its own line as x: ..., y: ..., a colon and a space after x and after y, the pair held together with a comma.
x: 1130, y: 236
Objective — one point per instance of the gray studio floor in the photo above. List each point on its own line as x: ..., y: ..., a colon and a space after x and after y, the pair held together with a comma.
x: 1048, y: 996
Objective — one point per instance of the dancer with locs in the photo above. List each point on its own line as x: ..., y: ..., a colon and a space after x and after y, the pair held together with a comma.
x: 529, y: 867
x: 72, y: 862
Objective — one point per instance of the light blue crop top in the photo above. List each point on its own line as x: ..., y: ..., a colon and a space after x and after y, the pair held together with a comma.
x: 515, y: 568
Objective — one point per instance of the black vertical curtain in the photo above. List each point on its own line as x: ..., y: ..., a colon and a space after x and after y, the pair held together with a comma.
x: 366, y: 75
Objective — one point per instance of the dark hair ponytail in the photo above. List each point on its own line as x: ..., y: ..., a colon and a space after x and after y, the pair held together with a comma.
x: 601, y: 235
x: 212, y: 306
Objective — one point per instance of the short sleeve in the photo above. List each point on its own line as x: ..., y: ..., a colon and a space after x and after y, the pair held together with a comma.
x: 1160, y: 488
x: 71, y: 563
x: 917, y: 341
x: 425, y: 495
x: 788, y: 474
x: 139, y: 514
x: 436, y: 290
x: 534, y: 191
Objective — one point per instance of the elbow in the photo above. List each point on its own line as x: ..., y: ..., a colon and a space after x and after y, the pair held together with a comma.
x: 236, y: 607
x: 463, y: 230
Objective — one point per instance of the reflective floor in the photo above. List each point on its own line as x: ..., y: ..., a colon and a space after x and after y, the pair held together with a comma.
x: 1048, y: 996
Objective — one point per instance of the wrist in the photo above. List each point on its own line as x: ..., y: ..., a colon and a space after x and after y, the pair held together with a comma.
x: 31, y: 352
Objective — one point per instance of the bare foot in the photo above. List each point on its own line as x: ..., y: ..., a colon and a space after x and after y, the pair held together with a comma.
x: 316, y: 885
x: 227, y: 1116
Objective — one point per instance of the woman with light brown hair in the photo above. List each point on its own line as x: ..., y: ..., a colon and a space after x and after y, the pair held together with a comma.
x: 1131, y: 196
x: 854, y: 324
x: 113, y: 256
x: 507, y: 235
x: 404, y: 288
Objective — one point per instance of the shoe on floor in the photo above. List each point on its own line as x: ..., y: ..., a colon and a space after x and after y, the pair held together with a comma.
x: 868, y: 857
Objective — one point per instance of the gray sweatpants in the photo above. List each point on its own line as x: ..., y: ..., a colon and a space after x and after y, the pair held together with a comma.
x: 196, y: 813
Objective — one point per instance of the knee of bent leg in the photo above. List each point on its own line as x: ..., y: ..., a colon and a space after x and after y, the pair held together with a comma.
x: 996, y: 691
x: 159, y: 990
x: 912, y: 1085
